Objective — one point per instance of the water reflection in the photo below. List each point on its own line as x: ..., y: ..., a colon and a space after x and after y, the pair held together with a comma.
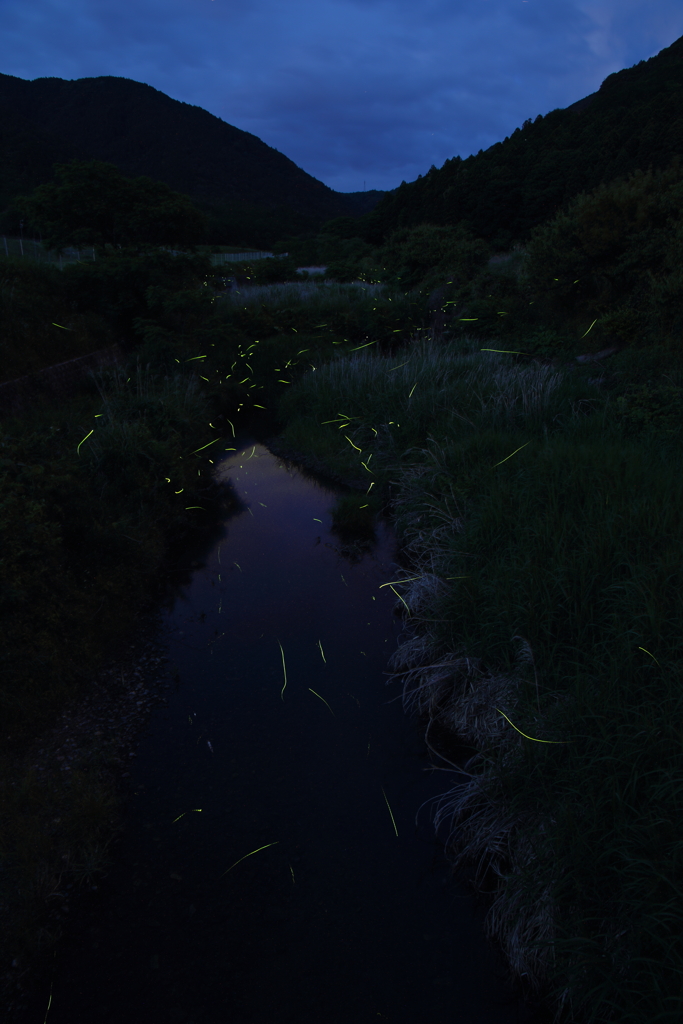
x: 273, y: 871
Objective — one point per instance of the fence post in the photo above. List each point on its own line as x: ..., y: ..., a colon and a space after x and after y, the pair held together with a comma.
x: 6, y: 249
x: 21, y: 245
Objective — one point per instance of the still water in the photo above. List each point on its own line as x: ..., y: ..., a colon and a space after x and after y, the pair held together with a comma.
x: 272, y: 871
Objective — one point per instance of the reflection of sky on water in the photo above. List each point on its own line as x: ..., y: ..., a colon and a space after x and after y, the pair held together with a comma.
x: 273, y: 871
x: 270, y: 572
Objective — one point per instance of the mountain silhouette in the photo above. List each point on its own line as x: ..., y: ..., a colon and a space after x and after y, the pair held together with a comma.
x: 142, y: 131
x: 633, y: 121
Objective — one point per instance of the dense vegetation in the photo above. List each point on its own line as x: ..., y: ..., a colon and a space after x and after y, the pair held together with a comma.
x: 230, y: 173
x: 539, y: 513
x: 94, y: 204
x: 582, y: 591
x: 536, y: 500
x: 635, y: 120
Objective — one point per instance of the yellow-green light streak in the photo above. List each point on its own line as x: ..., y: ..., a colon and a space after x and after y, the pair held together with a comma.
x: 385, y: 797
x: 508, y: 351
x: 409, y: 580
x: 651, y: 655
x: 510, y: 455
x: 322, y: 699
x: 399, y: 597
x: 206, y: 445
x: 250, y: 855
x: 284, y: 669
x: 197, y: 809
x: 524, y: 734
x: 84, y: 439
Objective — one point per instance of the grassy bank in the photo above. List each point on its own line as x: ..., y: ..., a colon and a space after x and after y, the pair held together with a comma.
x: 537, y: 510
x: 538, y: 507
x: 97, y: 493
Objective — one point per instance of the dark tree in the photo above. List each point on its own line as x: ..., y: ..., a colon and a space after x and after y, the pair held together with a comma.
x: 92, y: 203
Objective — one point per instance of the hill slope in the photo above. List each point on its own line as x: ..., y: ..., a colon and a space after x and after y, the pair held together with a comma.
x: 633, y: 121
x: 142, y: 131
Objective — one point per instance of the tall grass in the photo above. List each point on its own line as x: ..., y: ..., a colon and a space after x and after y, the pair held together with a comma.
x: 311, y: 292
x: 548, y: 604
x: 538, y: 513
x: 94, y: 492
x: 342, y: 314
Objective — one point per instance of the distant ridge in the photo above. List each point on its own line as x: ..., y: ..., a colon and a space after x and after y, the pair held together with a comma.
x: 633, y: 121
x: 142, y: 131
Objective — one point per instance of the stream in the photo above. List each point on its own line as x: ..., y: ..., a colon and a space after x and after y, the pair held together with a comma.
x: 272, y: 870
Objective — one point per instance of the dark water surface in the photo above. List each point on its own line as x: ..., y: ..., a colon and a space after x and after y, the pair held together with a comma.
x: 336, y: 919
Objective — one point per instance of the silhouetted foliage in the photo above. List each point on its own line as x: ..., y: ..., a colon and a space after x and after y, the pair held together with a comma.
x: 92, y: 203
x: 234, y: 222
x: 635, y: 120
x: 144, y: 132
x: 412, y: 254
x: 618, y: 247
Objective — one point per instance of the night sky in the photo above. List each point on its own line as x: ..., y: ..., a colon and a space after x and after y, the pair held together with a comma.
x: 359, y: 93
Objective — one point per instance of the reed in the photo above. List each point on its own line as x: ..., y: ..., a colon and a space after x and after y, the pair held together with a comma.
x: 542, y: 543
x: 538, y: 518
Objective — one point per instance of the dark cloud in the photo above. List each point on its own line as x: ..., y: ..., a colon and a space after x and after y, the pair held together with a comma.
x: 353, y: 91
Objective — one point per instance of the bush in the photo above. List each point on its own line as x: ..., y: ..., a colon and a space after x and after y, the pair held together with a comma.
x: 118, y: 285
x: 651, y: 406
x: 268, y: 270
x: 92, y: 203
x: 613, y: 251
x: 412, y: 255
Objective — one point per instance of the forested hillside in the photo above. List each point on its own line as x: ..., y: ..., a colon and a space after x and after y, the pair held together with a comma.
x: 245, y: 187
x: 634, y: 121
x: 226, y: 171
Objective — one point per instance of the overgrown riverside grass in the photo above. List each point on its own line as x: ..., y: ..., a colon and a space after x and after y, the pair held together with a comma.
x: 94, y: 490
x: 548, y: 602
x: 88, y: 517
x: 40, y: 325
x: 86, y: 525
x: 88, y: 507
x: 326, y: 312
x: 313, y: 292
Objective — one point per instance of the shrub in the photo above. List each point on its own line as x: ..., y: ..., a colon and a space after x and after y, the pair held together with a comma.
x: 615, y: 249
x: 410, y: 255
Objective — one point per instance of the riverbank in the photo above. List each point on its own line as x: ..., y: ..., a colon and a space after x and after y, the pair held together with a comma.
x: 73, y: 779
x: 96, y: 491
x: 535, y: 506
x: 520, y: 501
x: 343, y: 902
x: 88, y: 533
